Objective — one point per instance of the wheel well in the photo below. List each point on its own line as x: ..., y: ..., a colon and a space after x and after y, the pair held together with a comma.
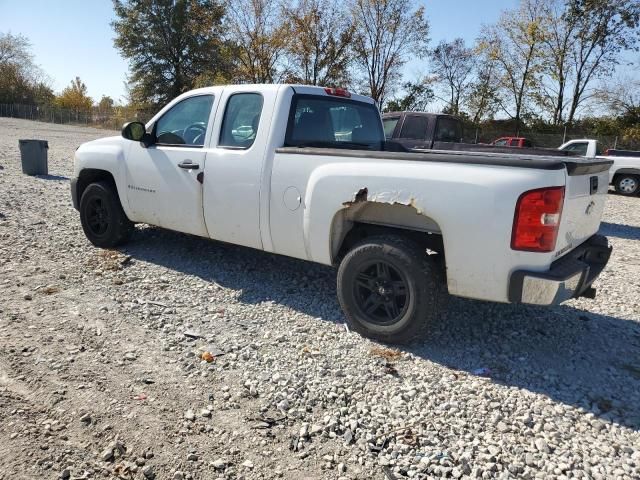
x: 626, y: 172
x: 92, y: 175
x: 363, y: 218
x: 432, y: 243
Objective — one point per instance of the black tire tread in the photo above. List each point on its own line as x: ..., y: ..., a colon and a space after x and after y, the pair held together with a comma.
x: 124, y: 227
x: 431, y: 297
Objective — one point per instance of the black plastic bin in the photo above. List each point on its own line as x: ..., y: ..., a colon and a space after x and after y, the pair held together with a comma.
x: 34, y: 157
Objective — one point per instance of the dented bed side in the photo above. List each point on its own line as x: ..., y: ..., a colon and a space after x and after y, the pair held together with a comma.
x: 470, y: 205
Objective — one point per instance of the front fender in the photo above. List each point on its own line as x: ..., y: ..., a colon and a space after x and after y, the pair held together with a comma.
x: 107, y: 155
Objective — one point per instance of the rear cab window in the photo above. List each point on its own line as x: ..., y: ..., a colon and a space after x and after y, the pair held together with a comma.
x: 448, y: 130
x: 579, y: 148
x: 414, y: 127
x: 328, y: 122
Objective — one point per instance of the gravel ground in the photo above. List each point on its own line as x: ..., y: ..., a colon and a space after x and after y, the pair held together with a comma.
x: 103, y: 372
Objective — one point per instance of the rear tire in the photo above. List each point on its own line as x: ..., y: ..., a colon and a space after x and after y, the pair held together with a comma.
x: 104, y: 222
x: 389, y: 289
x: 627, y: 184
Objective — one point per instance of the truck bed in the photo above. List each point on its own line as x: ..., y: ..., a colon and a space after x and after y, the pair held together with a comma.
x: 573, y: 165
x: 479, y: 147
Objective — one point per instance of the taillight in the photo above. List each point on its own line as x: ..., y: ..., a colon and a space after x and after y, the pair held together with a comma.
x: 537, y: 220
x: 338, y: 92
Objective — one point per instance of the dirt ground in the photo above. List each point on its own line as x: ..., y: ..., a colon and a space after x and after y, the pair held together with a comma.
x: 102, y: 373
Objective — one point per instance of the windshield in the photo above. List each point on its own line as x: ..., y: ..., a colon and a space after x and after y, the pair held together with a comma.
x: 316, y: 121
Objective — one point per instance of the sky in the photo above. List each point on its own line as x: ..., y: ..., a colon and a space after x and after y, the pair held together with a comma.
x: 74, y: 38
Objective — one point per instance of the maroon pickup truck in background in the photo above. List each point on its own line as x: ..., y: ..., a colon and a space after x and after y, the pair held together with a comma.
x: 417, y: 131
x: 519, y: 142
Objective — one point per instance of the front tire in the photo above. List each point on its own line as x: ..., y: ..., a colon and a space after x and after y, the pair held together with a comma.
x: 104, y: 222
x: 627, y: 184
x: 389, y: 289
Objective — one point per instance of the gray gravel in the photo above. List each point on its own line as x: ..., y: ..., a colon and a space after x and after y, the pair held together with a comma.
x: 102, y: 372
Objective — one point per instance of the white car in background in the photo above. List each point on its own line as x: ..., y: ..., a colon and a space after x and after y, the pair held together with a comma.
x: 624, y: 174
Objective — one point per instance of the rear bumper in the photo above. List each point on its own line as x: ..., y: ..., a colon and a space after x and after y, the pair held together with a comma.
x: 74, y: 192
x: 569, y: 277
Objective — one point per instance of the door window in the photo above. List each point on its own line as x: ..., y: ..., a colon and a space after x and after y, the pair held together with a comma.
x: 500, y: 143
x: 389, y: 125
x: 241, y: 120
x: 185, y: 123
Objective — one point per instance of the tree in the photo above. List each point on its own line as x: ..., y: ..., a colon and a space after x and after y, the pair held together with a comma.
x: 105, y: 105
x: 604, y: 28
x: 513, y: 45
x: 259, y: 40
x: 482, y: 99
x: 21, y: 80
x: 555, y: 49
x: 15, y: 50
x: 582, y: 41
x: 622, y: 98
x: 169, y: 44
x: 75, y: 97
x: 319, y: 46
x: 417, y: 96
x: 452, y: 65
x: 387, y: 33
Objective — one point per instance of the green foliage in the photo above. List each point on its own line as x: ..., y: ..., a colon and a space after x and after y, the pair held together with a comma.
x: 21, y: 81
x: 105, y: 105
x: 513, y: 46
x: 259, y: 39
x: 417, y: 96
x: 453, y: 66
x: 319, y: 43
x: 75, y: 97
x: 169, y: 44
x: 387, y: 34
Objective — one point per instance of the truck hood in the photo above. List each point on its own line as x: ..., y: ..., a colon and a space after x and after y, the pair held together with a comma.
x: 115, y: 140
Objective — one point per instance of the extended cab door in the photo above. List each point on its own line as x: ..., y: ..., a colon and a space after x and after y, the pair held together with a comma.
x: 232, y: 179
x: 162, y: 180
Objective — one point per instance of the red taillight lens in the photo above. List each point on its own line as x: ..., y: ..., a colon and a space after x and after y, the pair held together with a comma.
x: 537, y: 219
x: 338, y: 92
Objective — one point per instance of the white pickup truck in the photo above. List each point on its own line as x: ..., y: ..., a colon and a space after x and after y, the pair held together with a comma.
x: 302, y: 171
x: 624, y: 173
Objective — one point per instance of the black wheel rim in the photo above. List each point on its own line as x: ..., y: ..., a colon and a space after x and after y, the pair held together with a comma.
x: 98, y: 216
x: 381, y: 293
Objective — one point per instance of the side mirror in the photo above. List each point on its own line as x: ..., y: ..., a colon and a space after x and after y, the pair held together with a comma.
x: 137, y: 132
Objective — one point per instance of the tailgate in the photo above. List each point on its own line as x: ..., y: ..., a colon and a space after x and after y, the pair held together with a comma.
x: 585, y: 195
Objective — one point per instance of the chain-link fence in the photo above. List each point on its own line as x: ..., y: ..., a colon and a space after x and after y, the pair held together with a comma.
x: 111, y: 119
x: 115, y: 117
x: 550, y: 137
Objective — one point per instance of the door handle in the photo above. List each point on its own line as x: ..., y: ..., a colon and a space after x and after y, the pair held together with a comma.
x: 189, y: 165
